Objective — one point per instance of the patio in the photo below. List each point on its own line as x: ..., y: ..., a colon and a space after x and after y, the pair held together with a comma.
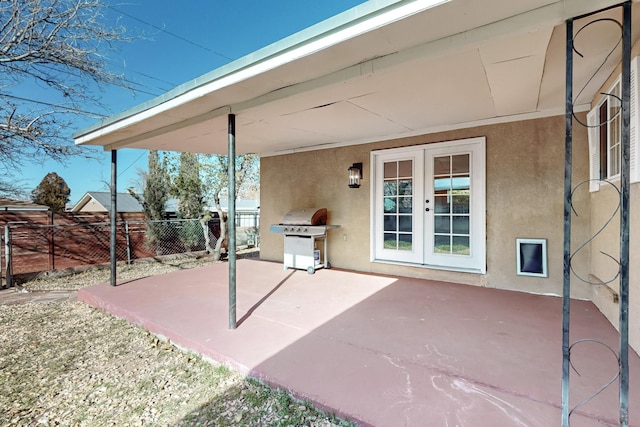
x: 385, y: 351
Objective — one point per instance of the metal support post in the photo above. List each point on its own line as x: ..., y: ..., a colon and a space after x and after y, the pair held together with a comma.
x: 232, y: 221
x: 566, y: 286
x: 113, y: 214
x: 625, y: 216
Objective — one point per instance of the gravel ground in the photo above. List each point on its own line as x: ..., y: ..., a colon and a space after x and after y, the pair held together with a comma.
x: 70, y: 280
x: 66, y: 364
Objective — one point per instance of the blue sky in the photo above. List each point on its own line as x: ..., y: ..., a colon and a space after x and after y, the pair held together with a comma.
x: 206, y: 35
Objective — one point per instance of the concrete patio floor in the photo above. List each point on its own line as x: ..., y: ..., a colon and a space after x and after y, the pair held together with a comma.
x: 386, y: 351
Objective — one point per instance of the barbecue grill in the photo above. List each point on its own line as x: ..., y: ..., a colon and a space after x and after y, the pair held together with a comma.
x: 303, y: 229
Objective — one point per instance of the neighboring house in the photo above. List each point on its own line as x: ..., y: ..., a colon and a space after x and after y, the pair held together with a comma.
x: 247, y: 211
x: 455, y: 110
x: 17, y: 205
x: 96, y: 201
x: 21, y: 212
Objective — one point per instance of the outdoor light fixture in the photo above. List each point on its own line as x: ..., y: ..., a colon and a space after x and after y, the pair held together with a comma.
x: 355, y: 175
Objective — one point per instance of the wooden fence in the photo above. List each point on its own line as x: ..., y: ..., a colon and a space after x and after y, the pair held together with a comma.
x: 43, y: 241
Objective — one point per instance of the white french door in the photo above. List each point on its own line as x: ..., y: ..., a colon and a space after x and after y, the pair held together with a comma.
x: 429, y: 205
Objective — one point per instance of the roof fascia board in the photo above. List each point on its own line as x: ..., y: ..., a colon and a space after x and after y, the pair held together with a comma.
x: 344, y: 26
x: 218, y: 112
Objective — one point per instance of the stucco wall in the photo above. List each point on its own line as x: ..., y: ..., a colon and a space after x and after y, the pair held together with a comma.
x: 525, y: 173
x: 603, y: 268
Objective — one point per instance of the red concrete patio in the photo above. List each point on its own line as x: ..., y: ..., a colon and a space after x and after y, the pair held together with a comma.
x: 386, y: 351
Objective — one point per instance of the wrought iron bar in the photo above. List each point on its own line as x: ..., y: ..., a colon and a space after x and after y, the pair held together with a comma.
x: 624, y: 216
x: 566, y: 279
x: 624, y: 211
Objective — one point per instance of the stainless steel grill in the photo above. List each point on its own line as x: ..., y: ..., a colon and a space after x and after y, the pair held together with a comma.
x: 303, y: 229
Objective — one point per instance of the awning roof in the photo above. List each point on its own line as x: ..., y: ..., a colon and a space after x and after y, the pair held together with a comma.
x: 384, y: 69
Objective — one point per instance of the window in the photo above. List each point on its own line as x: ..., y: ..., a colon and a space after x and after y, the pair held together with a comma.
x: 605, y: 134
x: 606, y: 120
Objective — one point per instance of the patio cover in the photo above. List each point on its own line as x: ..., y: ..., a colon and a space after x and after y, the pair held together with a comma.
x: 384, y: 69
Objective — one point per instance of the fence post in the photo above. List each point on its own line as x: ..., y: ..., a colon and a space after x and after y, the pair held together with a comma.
x: 126, y: 235
x: 7, y: 255
x: 52, y: 254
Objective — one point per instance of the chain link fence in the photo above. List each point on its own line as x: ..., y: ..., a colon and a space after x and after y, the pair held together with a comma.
x: 28, y: 248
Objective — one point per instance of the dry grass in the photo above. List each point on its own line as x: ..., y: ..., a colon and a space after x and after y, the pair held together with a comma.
x: 64, y: 363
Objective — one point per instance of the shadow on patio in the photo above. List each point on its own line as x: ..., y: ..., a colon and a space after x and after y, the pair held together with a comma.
x: 385, y: 350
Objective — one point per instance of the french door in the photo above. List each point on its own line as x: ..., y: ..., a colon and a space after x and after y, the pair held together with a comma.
x: 429, y: 205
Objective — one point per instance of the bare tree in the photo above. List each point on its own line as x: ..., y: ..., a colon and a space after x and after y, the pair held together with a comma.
x: 58, y: 45
x: 216, y: 180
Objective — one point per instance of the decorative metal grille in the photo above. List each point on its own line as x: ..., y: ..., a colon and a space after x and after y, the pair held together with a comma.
x: 620, y: 357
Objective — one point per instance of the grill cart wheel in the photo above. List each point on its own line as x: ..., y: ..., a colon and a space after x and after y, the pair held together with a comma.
x: 311, y: 270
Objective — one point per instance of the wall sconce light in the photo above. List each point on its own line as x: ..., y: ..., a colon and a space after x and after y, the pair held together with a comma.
x: 355, y: 175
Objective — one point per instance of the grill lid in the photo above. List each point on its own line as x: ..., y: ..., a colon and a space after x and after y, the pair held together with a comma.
x: 306, y: 216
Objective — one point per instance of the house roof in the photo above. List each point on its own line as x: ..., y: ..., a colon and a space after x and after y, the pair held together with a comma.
x: 242, y: 205
x: 17, y: 205
x: 126, y: 202
x: 384, y: 69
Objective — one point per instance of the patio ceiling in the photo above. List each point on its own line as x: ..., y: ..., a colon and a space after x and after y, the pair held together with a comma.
x: 382, y: 70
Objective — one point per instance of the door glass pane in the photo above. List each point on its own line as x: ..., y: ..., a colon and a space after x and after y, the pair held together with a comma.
x: 398, y: 201
x: 442, y: 224
x: 460, y: 203
x: 460, y: 164
x: 441, y: 244
x: 442, y: 204
x: 405, y: 223
x: 461, y: 225
x: 390, y: 241
x: 405, y: 187
x: 390, y: 170
x: 390, y: 205
x: 405, y: 242
x: 405, y: 204
x: 405, y: 169
x: 461, y: 245
x: 442, y: 165
x: 390, y: 223
x: 442, y: 185
x: 390, y: 188
x: 460, y: 184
